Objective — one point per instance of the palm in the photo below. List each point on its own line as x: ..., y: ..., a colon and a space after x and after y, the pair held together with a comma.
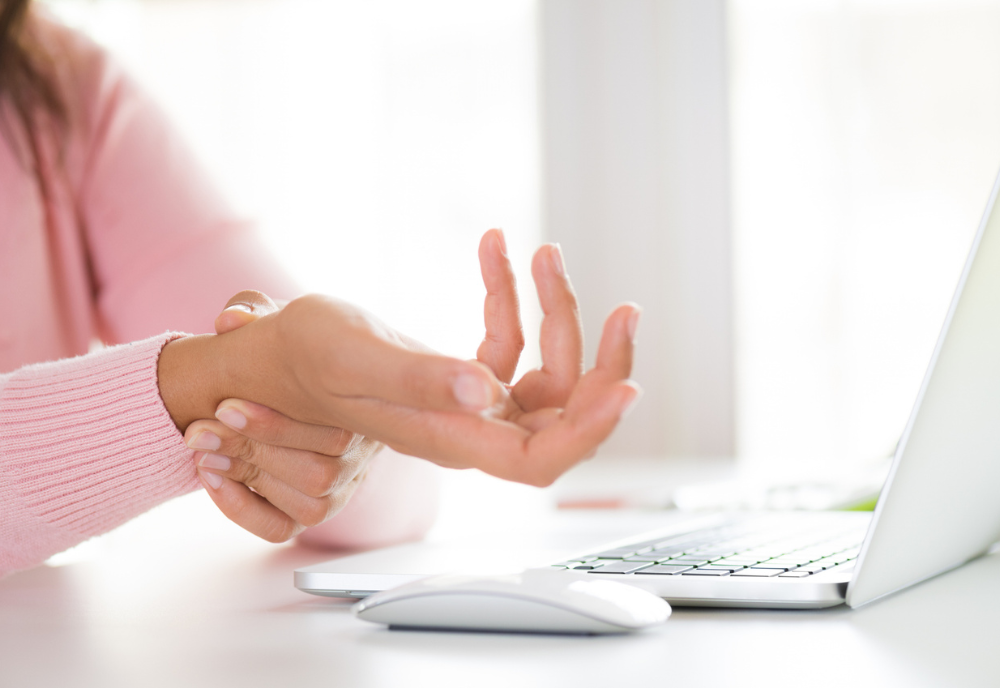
x: 540, y: 401
x: 538, y: 428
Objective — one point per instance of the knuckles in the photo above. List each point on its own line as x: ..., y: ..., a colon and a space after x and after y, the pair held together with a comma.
x: 244, y: 448
x: 323, y: 477
x: 280, y: 530
x: 314, y: 513
x: 338, y: 442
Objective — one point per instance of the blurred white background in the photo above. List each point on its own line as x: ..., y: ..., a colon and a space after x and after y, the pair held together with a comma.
x: 789, y: 187
x: 866, y: 137
x: 374, y: 142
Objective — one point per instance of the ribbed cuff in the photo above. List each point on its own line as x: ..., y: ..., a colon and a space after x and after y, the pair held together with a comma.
x: 87, y: 443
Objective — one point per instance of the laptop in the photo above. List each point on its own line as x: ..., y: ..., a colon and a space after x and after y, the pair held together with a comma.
x: 939, y: 507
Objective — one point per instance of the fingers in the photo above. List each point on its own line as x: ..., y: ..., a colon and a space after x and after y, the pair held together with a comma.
x: 249, y: 510
x: 303, y: 509
x: 561, y: 336
x: 561, y: 333
x: 267, y: 426
x: 533, y: 448
x: 614, y: 354
x: 548, y: 443
x: 504, y: 340
x: 311, y: 473
x: 595, y: 409
x: 263, y: 472
x: 602, y: 397
x: 243, y: 308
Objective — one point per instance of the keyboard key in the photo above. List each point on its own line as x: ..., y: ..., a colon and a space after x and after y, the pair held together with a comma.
x: 738, y: 561
x: 811, y: 568
x: 707, y: 572
x: 570, y: 563
x: 758, y: 573
x: 794, y: 574
x: 713, y: 553
x: 620, y: 553
x: 691, y: 561
x: 716, y: 567
x: 590, y: 565
x: 662, y: 570
x: 651, y: 556
x: 767, y: 566
x: 669, y: 551
x: 785, y: 562
x: 622, y: 567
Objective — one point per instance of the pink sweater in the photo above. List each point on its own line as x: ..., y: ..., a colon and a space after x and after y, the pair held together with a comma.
x: 132, y: 242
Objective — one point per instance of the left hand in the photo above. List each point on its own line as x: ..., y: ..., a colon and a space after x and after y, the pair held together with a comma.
x: 553, y: 417
x: 269, y: 474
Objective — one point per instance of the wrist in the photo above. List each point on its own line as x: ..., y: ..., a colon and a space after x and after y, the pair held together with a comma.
x: 196, y: 373
x: 191, y: 374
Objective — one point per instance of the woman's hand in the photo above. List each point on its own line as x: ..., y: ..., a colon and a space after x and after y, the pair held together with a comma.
x: 324, y: 362
x: 275, y: 476
x: 269, y: 474
x: 554, y: 416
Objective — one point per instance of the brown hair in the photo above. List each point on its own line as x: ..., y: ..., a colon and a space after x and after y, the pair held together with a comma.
x: 27, y: 79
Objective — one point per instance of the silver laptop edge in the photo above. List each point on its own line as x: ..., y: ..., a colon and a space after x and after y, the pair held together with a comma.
x: 938, y: 509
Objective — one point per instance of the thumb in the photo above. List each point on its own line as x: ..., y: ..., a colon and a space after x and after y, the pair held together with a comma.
x: 242, y: 309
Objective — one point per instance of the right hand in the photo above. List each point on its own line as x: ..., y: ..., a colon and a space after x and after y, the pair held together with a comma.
x: 267, y: 473
x: 323, y: 361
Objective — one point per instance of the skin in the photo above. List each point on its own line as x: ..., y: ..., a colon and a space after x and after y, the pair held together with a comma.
x: 293, y: 463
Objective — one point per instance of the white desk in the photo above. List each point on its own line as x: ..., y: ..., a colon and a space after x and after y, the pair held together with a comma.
x: 182, y: 598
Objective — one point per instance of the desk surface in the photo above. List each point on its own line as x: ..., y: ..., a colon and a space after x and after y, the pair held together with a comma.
x: 181, y: 597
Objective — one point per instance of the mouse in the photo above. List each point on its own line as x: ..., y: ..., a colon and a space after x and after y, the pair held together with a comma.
x: 531, y: 601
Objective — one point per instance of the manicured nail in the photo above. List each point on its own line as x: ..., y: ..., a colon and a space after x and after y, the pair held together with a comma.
x: 557, y: 260
x: 472, y: 392
x: 632, y: 402
x: 214, y: 481
x: 206, y: 440
x: 502, y: 241
x: 227, y: 415
x: 633, y: 324
x: 240, y: 307
x: 215, y: 461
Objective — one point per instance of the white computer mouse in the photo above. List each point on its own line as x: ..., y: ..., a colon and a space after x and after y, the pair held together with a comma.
x: 532, y: 601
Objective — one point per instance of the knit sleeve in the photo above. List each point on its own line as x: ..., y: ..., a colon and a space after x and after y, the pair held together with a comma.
x: 85, y: 444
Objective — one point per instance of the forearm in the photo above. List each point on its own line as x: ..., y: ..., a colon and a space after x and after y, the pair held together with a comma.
x: 85, y: 445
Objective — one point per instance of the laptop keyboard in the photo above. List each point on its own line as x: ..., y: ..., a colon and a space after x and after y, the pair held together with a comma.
x: 733, y: 550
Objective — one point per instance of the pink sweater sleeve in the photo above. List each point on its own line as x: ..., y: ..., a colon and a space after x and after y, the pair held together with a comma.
x: 85, y: 445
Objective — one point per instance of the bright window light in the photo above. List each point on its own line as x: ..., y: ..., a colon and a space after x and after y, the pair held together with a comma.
x: 865, y: 143
x: 373, y: 141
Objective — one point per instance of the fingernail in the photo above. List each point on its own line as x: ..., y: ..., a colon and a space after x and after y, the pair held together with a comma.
x: 240, y: 307
x: 206, y: 440
x: 215, y: 461
x: 631, y: 404
x: 214, y: 481
x: 472, y: 392
x: 633, y: 324
x: 502, y: 241
x: 557, y: 260
x: 227, y: 415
